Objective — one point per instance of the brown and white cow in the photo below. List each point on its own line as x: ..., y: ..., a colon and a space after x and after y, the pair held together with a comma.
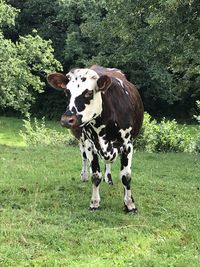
x: 105, y: 111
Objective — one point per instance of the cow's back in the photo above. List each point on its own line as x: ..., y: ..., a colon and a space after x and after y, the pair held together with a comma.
x: 122, y: 102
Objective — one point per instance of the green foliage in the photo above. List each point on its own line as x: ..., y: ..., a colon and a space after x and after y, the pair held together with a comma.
x: 23, y: 66
x: 197, y: 117
x: 36, y: 133
x: 7, y: 15
x: 156, y: 43
x: 195, y: 146
x: 49, y: 104
x: 165, y: 136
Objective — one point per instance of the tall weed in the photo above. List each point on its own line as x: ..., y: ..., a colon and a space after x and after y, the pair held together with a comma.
x: 36, y: 133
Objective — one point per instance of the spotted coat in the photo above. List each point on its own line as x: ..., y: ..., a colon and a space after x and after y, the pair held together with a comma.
x: 105, y: 112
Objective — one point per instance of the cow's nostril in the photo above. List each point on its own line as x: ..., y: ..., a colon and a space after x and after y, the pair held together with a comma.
x: 71, y: 121
x: 68, y: 121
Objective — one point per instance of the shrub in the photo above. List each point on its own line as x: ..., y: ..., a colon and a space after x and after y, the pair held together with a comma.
x: 195, y: 145
x: 165, y: 136
x: 36, y: 133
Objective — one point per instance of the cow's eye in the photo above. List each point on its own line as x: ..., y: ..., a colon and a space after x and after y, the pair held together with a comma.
x: 89, y: 94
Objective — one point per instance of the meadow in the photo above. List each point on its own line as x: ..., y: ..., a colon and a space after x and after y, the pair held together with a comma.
x: 45, y: 221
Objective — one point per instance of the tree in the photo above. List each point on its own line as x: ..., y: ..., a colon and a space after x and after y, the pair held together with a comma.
x: 155, y: 42
x: 23, y: 64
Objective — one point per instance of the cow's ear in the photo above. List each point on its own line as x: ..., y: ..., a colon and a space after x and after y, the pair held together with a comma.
x: 103, y: 83
x: 58, y: 81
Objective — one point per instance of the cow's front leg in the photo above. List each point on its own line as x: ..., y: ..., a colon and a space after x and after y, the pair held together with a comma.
x: 84, y: 171
x: 96, y: 180
x: 125, y: 174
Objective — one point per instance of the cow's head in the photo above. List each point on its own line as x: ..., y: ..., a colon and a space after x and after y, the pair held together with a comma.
x: 83, y: 88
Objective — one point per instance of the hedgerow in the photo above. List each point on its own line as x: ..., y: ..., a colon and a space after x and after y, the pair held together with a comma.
x: 164, y: 136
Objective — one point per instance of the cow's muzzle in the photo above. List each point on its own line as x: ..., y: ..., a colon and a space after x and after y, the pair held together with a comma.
x: 69, y: 120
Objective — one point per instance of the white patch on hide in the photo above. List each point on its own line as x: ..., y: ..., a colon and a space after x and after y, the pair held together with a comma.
x: 128, y: 199
x: 120, y: 82
x: 77, y: 86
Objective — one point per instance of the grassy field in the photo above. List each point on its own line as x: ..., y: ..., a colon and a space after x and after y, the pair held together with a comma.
x: 10, y: 128
x: 45, y: 221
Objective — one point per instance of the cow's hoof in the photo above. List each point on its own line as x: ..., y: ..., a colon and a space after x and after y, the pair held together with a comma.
x: 94, y: 209
x: 94, y: 205
x: 84, y: 180
x: 110, y: 182
x: 108, y: 179
x: 131, y: 211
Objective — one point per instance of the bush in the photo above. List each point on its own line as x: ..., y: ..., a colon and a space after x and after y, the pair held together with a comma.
x: 36, y: 133
x: 165, y: 136
x: 195, y: 145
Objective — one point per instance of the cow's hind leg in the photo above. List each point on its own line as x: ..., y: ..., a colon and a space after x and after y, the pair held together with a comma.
x: 84, y: 171
x: 107, y: 176
x: 125, y: 174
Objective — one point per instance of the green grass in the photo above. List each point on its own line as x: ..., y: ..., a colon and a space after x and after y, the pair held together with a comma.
x: 11, y: 127
x: 9, y: 131
x: 45, y: 221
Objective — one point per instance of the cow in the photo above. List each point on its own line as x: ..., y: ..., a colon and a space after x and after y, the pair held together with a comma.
x: 105, y: 111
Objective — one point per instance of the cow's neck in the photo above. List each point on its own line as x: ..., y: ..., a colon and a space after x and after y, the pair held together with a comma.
x: 105, y: 144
